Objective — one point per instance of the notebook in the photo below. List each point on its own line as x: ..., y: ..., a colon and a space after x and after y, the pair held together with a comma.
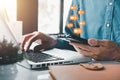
x: 77, y: 72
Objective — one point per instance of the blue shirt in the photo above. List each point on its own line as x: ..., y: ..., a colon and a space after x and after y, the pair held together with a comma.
x: 102, y: 19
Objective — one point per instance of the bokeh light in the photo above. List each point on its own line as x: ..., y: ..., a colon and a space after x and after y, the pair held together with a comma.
x: 81, y: 12
x: 73, y: 17
x: 82, y: 23
x: 70, y: 25
x: 73, y: 7
x: 77, y: 30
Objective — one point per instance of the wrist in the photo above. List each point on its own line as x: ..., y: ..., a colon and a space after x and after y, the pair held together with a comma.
x: 116, y: 54
x: 54, y: 42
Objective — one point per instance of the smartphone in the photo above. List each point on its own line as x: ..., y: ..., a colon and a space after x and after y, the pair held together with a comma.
x: 77, y: 39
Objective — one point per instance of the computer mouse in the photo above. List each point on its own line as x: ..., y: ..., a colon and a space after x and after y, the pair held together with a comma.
x: 93, y: 66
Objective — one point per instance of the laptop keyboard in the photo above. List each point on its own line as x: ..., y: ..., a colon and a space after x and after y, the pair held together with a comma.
x: 41, y: 57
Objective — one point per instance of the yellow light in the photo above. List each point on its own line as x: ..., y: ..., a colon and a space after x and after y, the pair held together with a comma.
x: 77, y: 30
x: 73, y: 17
x: 73, y: 7
x: 70, y: 25
x: 82, y: 23
x: 81, y: 12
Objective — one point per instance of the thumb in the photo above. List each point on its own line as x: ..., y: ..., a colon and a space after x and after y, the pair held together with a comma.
x: 95, y: 42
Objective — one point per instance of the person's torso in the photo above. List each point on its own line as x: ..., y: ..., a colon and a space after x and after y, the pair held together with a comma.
x: 101, y: 17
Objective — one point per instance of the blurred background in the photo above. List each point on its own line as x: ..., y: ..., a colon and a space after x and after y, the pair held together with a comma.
x: 19, y: 17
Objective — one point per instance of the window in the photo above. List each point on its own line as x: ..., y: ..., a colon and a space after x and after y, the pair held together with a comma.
x: 67, y: 4
x: 51, y: 18
x: 9, y: 6
x: 48, y: 16
x: 9, y: 27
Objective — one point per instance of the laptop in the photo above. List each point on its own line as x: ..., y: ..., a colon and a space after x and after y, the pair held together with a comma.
x: 51, y: 57
x: 54, y: 56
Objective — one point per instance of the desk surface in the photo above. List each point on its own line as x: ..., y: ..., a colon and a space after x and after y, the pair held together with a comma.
x: 18, y: 72
x: 22, y: 70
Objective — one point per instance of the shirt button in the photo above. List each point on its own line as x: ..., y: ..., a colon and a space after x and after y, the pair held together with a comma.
x: 110, y: 3
x: 81, y: 12
x: 107, y: 25
x: 82, y: 23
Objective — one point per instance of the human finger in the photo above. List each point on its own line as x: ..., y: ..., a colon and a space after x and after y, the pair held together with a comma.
x: 30, y: 41
x: 103, y: 43
x: 82, y: 46
x: 25, y: 38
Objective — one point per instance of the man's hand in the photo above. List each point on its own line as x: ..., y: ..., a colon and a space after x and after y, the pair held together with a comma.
x: 44, y: 40
x: 99, y: 49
